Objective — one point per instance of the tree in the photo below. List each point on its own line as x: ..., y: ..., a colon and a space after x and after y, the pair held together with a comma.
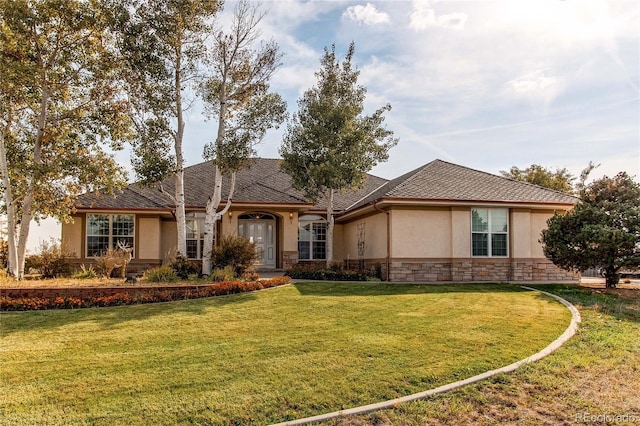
x: 238, y: 95
x: 61, y: 106
x: 163, y: 46
x: 329, y: 144
x: 559, y: 180
x: 602, y: 230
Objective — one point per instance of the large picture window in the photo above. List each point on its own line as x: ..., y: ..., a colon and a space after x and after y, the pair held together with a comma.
x: 490, y: 232
x: 104, y: 231
x: 195, y: 235
x: 312, y: 238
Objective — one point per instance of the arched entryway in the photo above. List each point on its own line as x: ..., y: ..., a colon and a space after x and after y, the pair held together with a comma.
x: 260, y: 228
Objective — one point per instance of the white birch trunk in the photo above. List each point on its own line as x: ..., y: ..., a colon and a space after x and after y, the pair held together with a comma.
x: 330, y: 223
x: 213, y: 216
x: 181, y: 220
x: 11, y: 211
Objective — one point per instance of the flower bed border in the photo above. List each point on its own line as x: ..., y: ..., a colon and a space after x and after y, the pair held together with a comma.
x: 36, y: 299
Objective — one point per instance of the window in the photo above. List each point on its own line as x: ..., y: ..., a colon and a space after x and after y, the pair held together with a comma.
x: 195, y: 235
x: 312, y: 238
x: 489, y: 232
x: 104, y: 231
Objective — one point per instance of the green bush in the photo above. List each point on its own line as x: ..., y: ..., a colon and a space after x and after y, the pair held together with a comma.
x: 52, y: 260
x: 4, y: 254
x: 236, y: 252
x: 161, y: 274
x: 185, y: 267
x: 85, y: 273
x: 322, y: 274
x: 223, y: 274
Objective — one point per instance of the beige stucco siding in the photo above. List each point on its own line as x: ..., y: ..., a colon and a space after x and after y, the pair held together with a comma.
x: 421, y: 233
x: 168, y: 240
x: 460, y: 232
x: 72, y: 235
x: 520, y: 233
x: 538, y: 224
x: 375, y: 238
x: 149, y: 238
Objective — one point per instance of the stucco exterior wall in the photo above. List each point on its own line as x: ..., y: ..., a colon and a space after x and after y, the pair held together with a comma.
x: 148, y: 242
x: 421, y: 233
x: 72, y: 235
x: 168, y: 240
x: 375, y: 238
x: 538, y: 224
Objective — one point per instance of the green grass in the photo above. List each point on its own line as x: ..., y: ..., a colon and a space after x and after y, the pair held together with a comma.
x: 263, y: 357
x: 596, y: 373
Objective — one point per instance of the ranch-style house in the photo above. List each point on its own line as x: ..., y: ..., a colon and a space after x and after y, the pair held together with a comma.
x: 438, y: 223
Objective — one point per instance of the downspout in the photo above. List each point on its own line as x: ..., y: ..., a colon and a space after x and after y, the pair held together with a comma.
x: 387, y: 260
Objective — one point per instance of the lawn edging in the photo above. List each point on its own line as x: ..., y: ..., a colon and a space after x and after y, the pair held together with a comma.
x: 393, y: 403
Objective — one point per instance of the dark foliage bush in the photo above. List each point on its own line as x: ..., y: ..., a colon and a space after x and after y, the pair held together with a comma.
x: 184, y: 267
x: 4, y: 254
x: 316, y: 273
x: 234, y: 251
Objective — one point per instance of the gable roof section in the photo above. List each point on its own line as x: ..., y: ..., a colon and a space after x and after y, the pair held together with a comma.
x: 443, y: 181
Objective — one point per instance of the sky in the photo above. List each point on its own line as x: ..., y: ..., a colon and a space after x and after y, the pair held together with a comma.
x: 484, y: 84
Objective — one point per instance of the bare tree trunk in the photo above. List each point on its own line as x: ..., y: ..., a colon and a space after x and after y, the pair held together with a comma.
x: 330, y: 223
x: 213, y: 216
x: 181, y: 220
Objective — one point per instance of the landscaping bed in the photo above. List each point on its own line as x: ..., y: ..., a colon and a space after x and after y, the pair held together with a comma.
x: 84, y: 296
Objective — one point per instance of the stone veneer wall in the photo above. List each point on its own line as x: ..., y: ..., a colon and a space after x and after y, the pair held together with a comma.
x: 478, y: 270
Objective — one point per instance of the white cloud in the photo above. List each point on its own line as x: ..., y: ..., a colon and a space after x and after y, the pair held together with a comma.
x: 367, y: 15
x: 424, y: 16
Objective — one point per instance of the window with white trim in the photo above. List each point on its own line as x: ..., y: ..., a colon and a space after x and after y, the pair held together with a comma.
x: 104, y: 231
x: 312, y: 238
x: 195, y: 235
x: 490, y: 232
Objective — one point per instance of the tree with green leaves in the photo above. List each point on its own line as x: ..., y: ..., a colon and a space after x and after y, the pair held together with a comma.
x: 329, y: 144
x: 602, y: 230
x: 237, y: 94
x: 163, y: 46
x: 559, y: 179
x: 60, y: 108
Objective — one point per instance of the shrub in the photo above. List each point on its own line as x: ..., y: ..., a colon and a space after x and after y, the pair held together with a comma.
x: 315, y: 273
x: 223, y: 274
x: 85, y: 273
x: 184, y: 267
x: 161, y: 274
x: 234, y: 251
x: 52, y: 260
x: 4, y: 254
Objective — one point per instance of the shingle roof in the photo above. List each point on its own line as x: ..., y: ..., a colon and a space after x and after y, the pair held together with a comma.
x: 261, y: 182
x: 440, y: 180
x: 264, y: 182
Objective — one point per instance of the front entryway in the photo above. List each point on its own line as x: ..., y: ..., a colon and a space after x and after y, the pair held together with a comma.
x: 259, y: 228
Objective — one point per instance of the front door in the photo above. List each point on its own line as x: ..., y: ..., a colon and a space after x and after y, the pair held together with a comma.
x: 261, y: 232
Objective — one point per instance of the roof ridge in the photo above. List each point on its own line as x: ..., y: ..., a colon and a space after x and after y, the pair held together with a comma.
x: 140, y: 193
x: 367, y: 195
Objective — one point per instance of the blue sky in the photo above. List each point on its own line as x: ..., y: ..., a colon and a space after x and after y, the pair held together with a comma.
x: 483, y: 84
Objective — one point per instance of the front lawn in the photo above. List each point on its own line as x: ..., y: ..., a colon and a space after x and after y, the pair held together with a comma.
x: 262, y: 357
x: 593, y: 379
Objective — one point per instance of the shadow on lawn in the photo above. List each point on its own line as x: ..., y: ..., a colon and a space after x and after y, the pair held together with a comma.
x: 384, y: 289
x: 603, y: 301
x: 109, y: 317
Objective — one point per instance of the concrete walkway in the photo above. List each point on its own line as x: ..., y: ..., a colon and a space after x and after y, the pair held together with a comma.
x: 568, y: 333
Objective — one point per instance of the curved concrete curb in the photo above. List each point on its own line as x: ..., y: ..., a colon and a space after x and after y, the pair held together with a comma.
x: 568, y: 333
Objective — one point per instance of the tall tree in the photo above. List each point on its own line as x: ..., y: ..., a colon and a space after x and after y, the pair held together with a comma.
x: 238, y: 95
x: 602, y: 230
x: 61, y: 106
x: 329, y: 144
x: 560, y: 179
x: 163, y: 47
